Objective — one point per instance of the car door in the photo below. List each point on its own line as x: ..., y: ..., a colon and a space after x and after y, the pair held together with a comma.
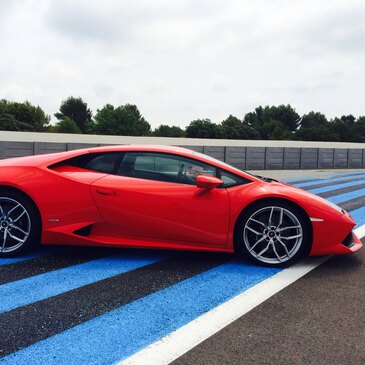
x: 154, y: 195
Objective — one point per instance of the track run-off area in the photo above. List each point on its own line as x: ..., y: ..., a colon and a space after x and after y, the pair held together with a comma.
x: 68, y: 305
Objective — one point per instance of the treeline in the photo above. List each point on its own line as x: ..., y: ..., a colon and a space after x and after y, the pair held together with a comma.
x: 270, y: 122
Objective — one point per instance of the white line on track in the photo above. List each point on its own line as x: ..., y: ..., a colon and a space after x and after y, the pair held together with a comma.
x: 360, y: 231
x: 187, y: 337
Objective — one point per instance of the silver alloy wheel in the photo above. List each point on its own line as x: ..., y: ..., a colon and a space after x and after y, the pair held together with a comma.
x: 273, y: 235
x: 15, y: 225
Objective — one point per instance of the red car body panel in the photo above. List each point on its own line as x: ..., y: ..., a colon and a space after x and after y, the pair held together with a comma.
x: 128, y: 205
x: 130, y: 212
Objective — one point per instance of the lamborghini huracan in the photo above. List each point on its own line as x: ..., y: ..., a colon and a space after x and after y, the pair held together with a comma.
x: 163, y: 197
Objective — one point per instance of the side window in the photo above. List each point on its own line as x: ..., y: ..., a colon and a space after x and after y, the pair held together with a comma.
x: 230, y: 179
x: 144, y: 163
x: 163, y: 167
x: 190, y: 169
x: 104, y: 162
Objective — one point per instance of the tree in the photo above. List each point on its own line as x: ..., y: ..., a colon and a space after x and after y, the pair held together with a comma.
x: 125, y: 120
x: 9, y: 123
x: 287, y: 116
x: 169, y: 131
x: 67, y: 125
x: 313, y: 120
x: 40, y: 120
x: 358, y: 130
x: 279, y: 131
x: 3, y: 105
x: 315, y: 127
x: 77, y: 110
x: 261, y: 120
x: 23, y: 117
x: 343, y: 127
x: 203, y: 128
x: 234, y: 128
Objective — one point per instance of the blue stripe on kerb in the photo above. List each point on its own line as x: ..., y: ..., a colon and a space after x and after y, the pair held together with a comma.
x: 333, y: 187
x: 347, y: 196
x: 45, y: 251
x: 336, y: 181
x: 122, y: 332
x: 35, y: 288
x: 325, y: 178
x: 359, y: 216
x: 12, y: 260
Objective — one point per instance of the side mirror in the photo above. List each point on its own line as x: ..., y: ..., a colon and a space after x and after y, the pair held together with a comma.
x: 207, y: 182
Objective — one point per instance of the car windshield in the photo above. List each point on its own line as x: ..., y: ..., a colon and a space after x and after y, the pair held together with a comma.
x: 264, y: 178
x: 218, y: 161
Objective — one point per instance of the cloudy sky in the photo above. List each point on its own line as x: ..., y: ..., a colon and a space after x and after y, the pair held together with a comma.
x: 179, y: 60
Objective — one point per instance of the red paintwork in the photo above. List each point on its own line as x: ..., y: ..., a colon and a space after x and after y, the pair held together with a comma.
x: 132, y: 212
x: 207, y: 182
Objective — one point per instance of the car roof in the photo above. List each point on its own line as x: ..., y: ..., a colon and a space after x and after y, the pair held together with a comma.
x: 136, y: 147
x: 52, y: 158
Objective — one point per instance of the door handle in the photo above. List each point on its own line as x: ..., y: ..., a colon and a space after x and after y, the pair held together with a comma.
x: 106, y: 192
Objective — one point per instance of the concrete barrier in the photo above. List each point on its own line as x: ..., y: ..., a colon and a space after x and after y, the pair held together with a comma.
x: 355, y: 158
x: 236, y: 156
x: 255, y: 158
x: 250, y: 155
x: 325, y: 158
x: 274, y: 158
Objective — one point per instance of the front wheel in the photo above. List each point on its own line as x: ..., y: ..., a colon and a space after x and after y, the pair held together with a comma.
x: 19, y: 224
x: 274, y: 234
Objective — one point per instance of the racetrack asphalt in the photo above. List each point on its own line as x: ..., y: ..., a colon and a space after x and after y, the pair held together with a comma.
x: 319, y: 319
x: 99, y: 306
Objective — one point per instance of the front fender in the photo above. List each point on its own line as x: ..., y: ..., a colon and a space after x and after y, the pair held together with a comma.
x: 330, y: 226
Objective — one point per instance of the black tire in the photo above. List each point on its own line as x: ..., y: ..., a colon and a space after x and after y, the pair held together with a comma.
x: 273, y: 244
x: 20, y: 224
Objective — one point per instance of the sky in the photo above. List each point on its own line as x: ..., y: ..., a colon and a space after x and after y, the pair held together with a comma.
x: 180, y: 60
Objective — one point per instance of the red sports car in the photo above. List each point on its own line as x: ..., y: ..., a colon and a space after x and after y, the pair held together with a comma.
x: 163, y: 197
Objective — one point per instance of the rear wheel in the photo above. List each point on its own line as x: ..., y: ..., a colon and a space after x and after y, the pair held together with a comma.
x: 19, y: 224
x: 274, y: 234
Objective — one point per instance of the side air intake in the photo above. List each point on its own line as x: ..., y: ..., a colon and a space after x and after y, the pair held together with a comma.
x: 84, y: 231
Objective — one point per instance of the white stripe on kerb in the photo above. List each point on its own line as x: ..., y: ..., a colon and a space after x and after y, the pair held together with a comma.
x: 192, y: 334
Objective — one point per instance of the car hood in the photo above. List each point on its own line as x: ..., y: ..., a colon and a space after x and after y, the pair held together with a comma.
x: 311, y: 203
